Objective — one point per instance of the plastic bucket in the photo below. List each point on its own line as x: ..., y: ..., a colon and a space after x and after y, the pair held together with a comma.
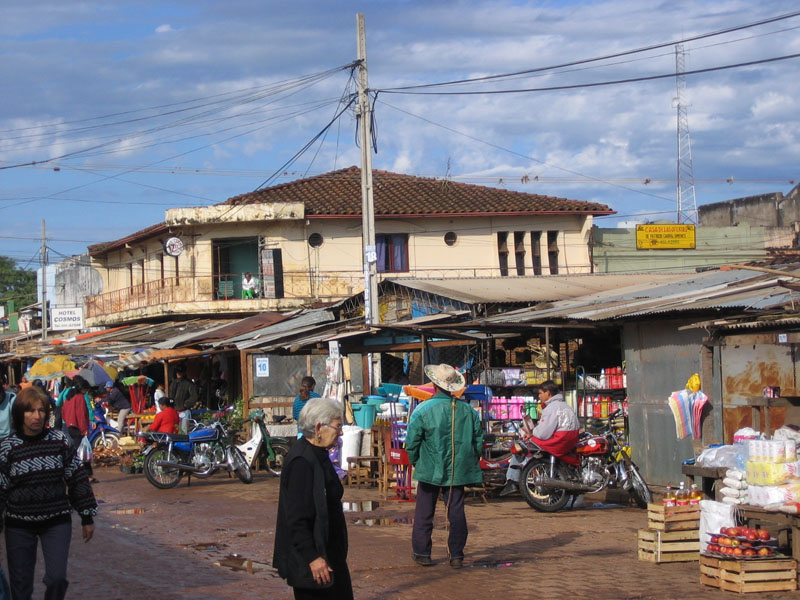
x: 364, y: 414
x: 375, y: 401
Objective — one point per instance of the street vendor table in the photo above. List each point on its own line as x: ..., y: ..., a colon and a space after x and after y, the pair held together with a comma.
x: 708, y: 476
x: 753, y: 515
x: 140, y: 421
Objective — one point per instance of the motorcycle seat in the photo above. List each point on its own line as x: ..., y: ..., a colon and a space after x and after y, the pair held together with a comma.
x: 178, y: 437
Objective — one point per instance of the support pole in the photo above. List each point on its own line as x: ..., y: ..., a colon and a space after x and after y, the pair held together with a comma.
x: 370, y: 254
x: 44, y: 283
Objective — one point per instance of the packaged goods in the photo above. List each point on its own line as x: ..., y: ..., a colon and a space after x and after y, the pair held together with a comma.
x: 695, y: 495
x: 735, y: 501
x: 765, y: 473
x: 735, y: 474
x: 737, y: 484
x: 763, y: 495
x: 669, y: 497
x: 682, y: 495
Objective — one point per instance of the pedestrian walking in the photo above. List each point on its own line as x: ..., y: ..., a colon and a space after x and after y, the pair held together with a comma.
x: 304, y: 394
x: 41, y: 483
x: 311, y: 533
x: 184, y: 394
x: 444, y: 444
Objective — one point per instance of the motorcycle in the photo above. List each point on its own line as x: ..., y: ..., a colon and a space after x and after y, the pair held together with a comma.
x: 262, y: 450
x: 101, y: 434
x: 201, y: 453
x: 599, y: 461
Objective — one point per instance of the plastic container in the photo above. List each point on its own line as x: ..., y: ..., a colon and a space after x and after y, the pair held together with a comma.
x: 364, y: 414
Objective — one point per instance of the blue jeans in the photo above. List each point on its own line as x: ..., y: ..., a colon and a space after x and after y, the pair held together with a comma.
x: 21, y: 546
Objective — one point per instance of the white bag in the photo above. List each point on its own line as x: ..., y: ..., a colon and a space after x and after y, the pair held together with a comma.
x: 85, y: 453
x: 713, y: 516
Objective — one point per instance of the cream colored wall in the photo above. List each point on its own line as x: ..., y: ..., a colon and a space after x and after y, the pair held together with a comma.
x: 334, y: 269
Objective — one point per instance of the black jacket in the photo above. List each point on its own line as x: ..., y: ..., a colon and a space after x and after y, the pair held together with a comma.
x: 303, y: 528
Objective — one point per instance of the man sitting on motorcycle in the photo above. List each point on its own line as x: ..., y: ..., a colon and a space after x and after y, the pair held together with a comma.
x: 556, y: 433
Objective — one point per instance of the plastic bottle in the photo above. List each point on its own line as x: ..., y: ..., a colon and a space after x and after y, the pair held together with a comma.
x: 669, y: 497
x: 682, y: 496
x: 695, y: 495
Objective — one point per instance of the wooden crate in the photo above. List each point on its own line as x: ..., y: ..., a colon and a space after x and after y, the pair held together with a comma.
x: 669, y: 546
x: 746, y: 576
x: 673, y: 518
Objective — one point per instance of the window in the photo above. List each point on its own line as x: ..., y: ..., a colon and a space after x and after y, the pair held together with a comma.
x: 502, y: 252
x: 450, y: 238
x: 392, y: 252
x: 552, y: 251
x: 536, y: 251
x: 519, y: 251
x: 231, y: 259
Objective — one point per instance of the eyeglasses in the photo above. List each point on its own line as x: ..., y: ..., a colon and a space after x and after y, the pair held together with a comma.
x: 339, y: 428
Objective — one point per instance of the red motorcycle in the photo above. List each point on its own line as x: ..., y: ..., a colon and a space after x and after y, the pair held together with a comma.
x: 599, y: 461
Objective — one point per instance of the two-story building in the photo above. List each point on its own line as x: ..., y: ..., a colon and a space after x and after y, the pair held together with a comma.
x: 301, y: 242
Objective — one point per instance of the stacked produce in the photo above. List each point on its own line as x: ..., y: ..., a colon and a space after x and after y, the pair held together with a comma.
x: 742, y: 543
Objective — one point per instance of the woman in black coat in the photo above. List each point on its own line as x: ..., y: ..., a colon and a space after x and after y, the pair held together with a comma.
x: 311, y: 532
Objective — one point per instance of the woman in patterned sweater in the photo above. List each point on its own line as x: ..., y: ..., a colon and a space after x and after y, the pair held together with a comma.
x: 41, y: 482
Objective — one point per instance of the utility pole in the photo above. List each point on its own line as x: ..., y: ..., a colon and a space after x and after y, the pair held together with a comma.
x: 364, y: 112
x: 43, y: 252
x: 687, y: 203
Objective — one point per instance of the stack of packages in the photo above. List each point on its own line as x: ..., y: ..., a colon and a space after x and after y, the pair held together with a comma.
x: 734, y: 490
x: 773, y: 475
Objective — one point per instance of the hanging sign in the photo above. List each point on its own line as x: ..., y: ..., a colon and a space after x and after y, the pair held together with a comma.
x: 173, y: 246
x: 665, y: 237
x: 65, y: 319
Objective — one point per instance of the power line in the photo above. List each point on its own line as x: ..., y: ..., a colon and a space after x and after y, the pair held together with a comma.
x: 599, y: 58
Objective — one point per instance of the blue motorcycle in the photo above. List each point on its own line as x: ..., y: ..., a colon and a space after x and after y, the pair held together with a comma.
x: 101, y: 434
x: 201, y: 453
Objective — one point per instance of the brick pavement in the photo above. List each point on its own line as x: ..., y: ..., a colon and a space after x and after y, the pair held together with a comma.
x: 168, y: 551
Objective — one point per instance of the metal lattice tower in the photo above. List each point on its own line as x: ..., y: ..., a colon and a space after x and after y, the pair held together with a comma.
x: 687, y: 203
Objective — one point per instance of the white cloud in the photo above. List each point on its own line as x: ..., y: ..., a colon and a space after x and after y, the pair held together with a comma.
x: 164, y: 28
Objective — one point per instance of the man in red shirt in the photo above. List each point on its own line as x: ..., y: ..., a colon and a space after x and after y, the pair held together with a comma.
x: 167, y: 420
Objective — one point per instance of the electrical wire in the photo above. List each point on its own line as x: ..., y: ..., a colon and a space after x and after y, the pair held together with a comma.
x: 599, y: 58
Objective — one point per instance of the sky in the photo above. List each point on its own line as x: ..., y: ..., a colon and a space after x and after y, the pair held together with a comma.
x: 113, y: 112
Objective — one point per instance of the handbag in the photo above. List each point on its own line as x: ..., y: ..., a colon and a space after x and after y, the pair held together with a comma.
x: 85, y: 453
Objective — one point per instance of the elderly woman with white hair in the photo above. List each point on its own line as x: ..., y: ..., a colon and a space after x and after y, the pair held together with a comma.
x: 311, y: 533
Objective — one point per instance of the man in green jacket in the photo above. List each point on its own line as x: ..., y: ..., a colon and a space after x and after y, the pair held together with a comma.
x: 444, y: 444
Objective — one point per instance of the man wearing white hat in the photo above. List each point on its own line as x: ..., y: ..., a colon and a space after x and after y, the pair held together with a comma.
x: 444, y: 444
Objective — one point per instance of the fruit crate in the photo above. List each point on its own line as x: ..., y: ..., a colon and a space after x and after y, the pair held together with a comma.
x: 669, y: 546
x: 673, y: 518
x: 748, y: 576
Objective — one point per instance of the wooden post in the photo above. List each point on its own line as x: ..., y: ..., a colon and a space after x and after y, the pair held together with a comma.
x: 166, y: 377
x: 423, y: 352
x: 247, y: 382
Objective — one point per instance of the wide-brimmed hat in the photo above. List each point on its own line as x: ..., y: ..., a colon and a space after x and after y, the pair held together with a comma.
x: 445, y: 376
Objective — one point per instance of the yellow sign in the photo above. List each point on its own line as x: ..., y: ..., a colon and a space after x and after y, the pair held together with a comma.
x: 665, y: 237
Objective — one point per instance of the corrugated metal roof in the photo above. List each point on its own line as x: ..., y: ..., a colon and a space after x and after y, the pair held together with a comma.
x: 701, y: 291
x: 545, y: 288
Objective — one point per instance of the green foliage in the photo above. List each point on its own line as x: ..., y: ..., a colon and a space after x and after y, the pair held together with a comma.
x: 17, y: 284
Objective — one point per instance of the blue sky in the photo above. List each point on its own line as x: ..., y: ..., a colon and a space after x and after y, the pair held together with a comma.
x: 205, y: 103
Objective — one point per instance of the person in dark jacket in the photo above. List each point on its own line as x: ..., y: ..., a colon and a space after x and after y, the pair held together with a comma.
x: 444, y: 444
x: 41, y: 482
x: 118, y: 402
x: 311, y: 532
x: 184, y: 394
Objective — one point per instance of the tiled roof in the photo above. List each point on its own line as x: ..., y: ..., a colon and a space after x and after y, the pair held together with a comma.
x: 103, y: 247
x: 338, y: 193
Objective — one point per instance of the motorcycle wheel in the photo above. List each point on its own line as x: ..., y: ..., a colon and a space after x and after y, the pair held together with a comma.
x: 275, y: 466
x: 240, y: 466
x: 541, y: 498
x: 639, y: 491
x: 163, y: 478
x: 111, y: 441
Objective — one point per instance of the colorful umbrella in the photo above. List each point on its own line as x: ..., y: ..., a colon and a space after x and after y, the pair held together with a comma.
x: 94, y: 373
x: 50, y: 367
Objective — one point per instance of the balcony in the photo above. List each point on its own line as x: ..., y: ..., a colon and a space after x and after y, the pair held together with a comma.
x: 217, y: 294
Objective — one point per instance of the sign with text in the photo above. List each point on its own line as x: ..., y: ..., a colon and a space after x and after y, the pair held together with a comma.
x: 665, y: 237
x: 262, y: 366
x: 64, y: 319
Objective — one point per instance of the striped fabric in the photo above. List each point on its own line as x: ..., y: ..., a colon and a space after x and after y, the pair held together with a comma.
x: 42, y: 481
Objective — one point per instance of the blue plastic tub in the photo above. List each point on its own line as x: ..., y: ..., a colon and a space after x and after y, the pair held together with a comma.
x: 364, y: 414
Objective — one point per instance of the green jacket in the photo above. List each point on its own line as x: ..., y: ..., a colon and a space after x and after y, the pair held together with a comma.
x: 429, y: 444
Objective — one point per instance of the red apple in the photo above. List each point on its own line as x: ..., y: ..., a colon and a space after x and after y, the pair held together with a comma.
x: 752, y: 536
x: 746, y: 545
x: 738, y: 551
x: 763, y: 534
x: 764, y: 551
x: 715, y: 539
x: 750, y: 552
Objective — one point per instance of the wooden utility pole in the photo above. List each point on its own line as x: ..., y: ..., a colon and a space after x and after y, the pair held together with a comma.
x: 370, y: 254
x: 44, y: 283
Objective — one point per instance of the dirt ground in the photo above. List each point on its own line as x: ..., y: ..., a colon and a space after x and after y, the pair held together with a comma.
x: 195, y: 542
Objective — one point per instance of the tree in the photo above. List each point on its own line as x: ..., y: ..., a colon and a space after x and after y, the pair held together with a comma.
x: 16, y: 284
